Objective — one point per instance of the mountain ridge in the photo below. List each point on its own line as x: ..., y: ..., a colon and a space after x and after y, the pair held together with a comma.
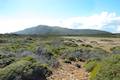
x: 56, y: 30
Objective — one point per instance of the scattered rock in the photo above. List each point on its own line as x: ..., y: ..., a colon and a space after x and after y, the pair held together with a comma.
x: 78, y: 65
x: 56, y: 64
x: 81, y: 60
x: 25, y: 53
x: 67, y: 61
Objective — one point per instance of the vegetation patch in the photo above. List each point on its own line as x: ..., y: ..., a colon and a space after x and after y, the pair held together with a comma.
x: 90, y: 65
x: 108, y: 69
x: 24, y: 69
x: 115, y: 50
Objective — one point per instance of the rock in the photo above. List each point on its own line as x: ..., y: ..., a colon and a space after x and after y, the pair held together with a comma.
x: 67, y: 61
x: 56, y: 64
x: 26, y: 53
x: 40, y: 51
x: 82, y: 60
x: 78, y: 65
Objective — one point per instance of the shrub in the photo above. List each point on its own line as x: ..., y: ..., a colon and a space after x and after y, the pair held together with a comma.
x: 71, y: 44
x: 37, y: 71
x: 3, y: 41
x: 89, y: 66
x: 98, y: 54
x: 86, y: 45
x: 6, y: 58
x: 72, y: 58
x: 87, y: 54
x: 115, y: 50
x: 45, y: 57
x: 94, y: 72
x: 28, y: 58
x: 13, y: 70
x: 108, y: 69
x: 25, y: 69
x: 29, y: 38
x: 6, y: 61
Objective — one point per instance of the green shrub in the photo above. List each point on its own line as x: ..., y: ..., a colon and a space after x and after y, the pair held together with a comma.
x: 13, y: 70
x: 108, y: 69
x: 25, y: 69
x: 3, y: 41
x: 70, y: 44
x: 89, y: 66
x: 115, y: 50
x: 6, y: 61
x: 86, y: 45
x: 84, y: 54
x: 6, y: 58
x: 29, y: 58
x: 72, y: 58
x: 94, y: 72
x: 98, y: 54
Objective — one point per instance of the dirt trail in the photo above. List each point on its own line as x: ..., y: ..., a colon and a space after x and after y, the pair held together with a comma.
x: 69, y: 72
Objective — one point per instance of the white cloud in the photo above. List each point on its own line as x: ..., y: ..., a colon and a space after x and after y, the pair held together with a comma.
x: 15, y: 23
x: 97, y: 21
x: 118, y: 29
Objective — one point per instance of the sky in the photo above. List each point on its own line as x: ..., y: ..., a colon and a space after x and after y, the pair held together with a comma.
x: 17, y: 15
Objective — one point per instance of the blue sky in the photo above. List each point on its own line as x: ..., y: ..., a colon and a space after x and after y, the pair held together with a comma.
x: 83, y: 14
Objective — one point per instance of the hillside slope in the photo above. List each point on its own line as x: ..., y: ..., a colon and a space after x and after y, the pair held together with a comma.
x: 54, y: 30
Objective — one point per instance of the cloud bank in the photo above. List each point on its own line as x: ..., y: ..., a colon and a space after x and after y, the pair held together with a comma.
x: 103, y: 21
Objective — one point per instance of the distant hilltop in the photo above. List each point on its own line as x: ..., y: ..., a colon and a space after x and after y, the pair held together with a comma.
x: 55, y: 30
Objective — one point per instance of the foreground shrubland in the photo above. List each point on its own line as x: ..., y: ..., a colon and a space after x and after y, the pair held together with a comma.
x: 35, y: 58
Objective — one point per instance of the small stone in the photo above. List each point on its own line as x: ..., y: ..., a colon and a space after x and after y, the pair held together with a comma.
x: 78, y: 65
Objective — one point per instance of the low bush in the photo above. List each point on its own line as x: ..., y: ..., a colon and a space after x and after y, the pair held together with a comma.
x: 70, y: 44
x: 6, y: 61
x: 98, y: 53
x: 84, y: 54
x: 86, y: 45
x: 6, y: 58
x: 89, y: 66
x: 3, y: 41
x: 25, y: 69
x: 94, y: 72
x: 72, y: 58
x: 115, y: 50
x: 108, y: 69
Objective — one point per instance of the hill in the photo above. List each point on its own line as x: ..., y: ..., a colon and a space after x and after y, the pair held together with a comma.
x: 55, y: 30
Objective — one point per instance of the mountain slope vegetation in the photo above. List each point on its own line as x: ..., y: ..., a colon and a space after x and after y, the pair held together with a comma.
x: 55, y: 30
